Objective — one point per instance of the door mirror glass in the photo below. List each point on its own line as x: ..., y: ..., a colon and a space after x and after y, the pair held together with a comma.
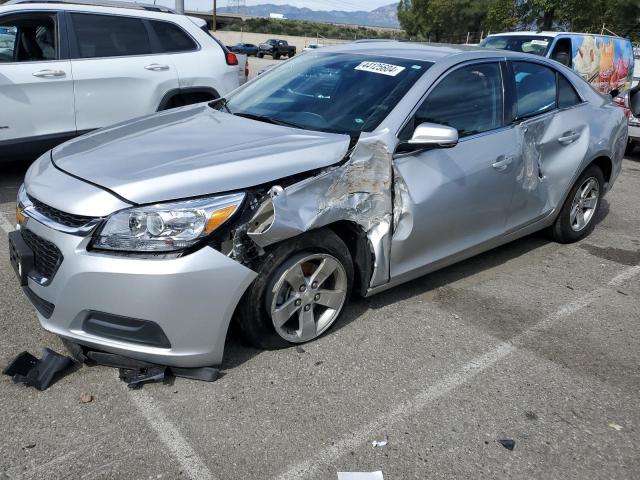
x: 431, y: 135
x: 634, y: 101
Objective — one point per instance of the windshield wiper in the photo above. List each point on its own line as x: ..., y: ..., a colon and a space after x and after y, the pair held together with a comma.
x: 267, y: 119
x: 220, y: 102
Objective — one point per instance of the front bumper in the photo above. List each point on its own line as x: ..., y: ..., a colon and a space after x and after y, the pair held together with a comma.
x: 191, y: 299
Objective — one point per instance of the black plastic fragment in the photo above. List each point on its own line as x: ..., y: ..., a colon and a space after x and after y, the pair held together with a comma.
x: 76, y: 351
x: 507, y: 443
x: 138, y: 372
x: 204, y: 374
x: 39, y: 374
x: 117, y: 361
x: 136, y: 377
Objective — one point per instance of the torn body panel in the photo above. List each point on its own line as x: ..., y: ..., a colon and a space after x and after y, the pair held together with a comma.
x: 359, y: 191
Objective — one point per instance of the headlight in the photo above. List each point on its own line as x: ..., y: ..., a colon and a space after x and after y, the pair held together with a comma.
x: 21, y: 202
x: 166, y: 227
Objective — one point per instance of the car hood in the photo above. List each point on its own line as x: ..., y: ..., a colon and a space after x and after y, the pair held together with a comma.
x: 194, y: 151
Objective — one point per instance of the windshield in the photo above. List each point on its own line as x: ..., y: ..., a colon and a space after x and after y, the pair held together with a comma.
x: 340, y: 93
x: 534, y: 44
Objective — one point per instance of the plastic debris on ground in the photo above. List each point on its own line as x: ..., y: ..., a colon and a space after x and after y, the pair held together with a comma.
x: 507, y: 443
x: 615, y: 426
x: 380, y: 443
x: 41, y: 373
x: 360, y: 475
x: 38, y: 373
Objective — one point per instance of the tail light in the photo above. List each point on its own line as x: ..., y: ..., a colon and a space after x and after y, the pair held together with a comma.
x: 231, y: 58
x: 621, y: 101
x: 246, y: 68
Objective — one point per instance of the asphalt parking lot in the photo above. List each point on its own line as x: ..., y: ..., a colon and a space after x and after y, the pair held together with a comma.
x: 534, y: 341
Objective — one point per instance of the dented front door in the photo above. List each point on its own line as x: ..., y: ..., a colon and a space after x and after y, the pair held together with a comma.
x: 451, y: 200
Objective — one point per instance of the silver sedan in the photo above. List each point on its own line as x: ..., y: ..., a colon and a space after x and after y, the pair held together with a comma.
x: 349, y: 169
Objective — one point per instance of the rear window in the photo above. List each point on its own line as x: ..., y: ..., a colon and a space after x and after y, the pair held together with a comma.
x: 172, y: 38
x: 537, y: 45
x: 567, y: 96
x: 109, y: 35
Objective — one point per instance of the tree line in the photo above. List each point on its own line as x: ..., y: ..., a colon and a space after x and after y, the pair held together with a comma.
x: 454, y: 20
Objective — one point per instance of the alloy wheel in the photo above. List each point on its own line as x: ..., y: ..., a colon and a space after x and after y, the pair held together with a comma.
x: 584, y: 205
x: 308, y: 297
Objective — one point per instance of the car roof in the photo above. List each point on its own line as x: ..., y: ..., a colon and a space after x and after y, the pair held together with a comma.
x: 428, y: 52
x: 98, y: 3
x: 548, y: 34
x: 98, y: 6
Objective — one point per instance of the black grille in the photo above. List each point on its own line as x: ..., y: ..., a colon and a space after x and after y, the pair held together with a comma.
x: 58, y: 216
x: 46, y: 256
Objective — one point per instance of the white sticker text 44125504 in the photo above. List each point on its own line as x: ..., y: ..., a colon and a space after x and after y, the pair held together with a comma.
x: 382, y: 68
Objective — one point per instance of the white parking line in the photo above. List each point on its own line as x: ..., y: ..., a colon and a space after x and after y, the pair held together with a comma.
x: 189, y: 460
x: 422, y: 400
x: 5, y: 224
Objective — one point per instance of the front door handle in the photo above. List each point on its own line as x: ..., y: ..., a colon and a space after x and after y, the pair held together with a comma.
x: 502, y: 162
x: 568, y: 138
x: 156, y: 67
x: 49, y: 73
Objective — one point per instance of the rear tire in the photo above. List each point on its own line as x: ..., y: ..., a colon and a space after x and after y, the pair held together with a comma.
x: 263, y: 314
x: 577, y: 217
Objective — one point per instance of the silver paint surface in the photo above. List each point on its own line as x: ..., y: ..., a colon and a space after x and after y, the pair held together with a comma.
x: 194, y: 151
x: 420, y: 211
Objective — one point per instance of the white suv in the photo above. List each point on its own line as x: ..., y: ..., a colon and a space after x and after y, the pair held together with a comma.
x: 68, y: 68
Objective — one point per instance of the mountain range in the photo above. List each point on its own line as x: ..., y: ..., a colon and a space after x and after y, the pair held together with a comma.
x: 380, y: 17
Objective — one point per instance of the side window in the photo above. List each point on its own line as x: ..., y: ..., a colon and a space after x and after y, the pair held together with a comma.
x: 567, y: 96
x: 562, y: 51
x: 172, y: 38
x: 28, y: 38
x: 469, y: 99
x: 535, y: 88
x: 109, y: 35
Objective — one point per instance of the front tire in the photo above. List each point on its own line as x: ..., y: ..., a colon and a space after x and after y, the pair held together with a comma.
x: 301, y: 289
x: 577, y: 217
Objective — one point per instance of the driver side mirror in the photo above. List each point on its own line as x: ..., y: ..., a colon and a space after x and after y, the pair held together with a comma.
x: 430, y: 135
x: 634, y: 101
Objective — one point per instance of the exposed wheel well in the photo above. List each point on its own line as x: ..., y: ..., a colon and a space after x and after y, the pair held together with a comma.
x: 180, y: 98
x: 355, y: 238
x: 605, y: 165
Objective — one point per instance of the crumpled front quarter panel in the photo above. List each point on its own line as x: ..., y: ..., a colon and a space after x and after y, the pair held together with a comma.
x: 358, y: 191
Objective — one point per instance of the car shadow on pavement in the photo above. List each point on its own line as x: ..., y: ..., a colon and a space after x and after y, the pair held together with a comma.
x: 634, y: 156
x: 237, y: 352
x: 10, y: 179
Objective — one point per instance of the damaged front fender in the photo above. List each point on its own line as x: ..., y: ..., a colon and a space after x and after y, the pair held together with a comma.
x: 358, y: 190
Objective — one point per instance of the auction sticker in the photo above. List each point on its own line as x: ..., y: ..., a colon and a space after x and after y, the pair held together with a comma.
x: 541, y: 43
x: 382, y: 68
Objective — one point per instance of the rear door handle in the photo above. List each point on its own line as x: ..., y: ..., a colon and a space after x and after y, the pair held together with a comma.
x: 156, y: 67
x: 568, y: 137
x: 49, y: 73
x: 502, y: 162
